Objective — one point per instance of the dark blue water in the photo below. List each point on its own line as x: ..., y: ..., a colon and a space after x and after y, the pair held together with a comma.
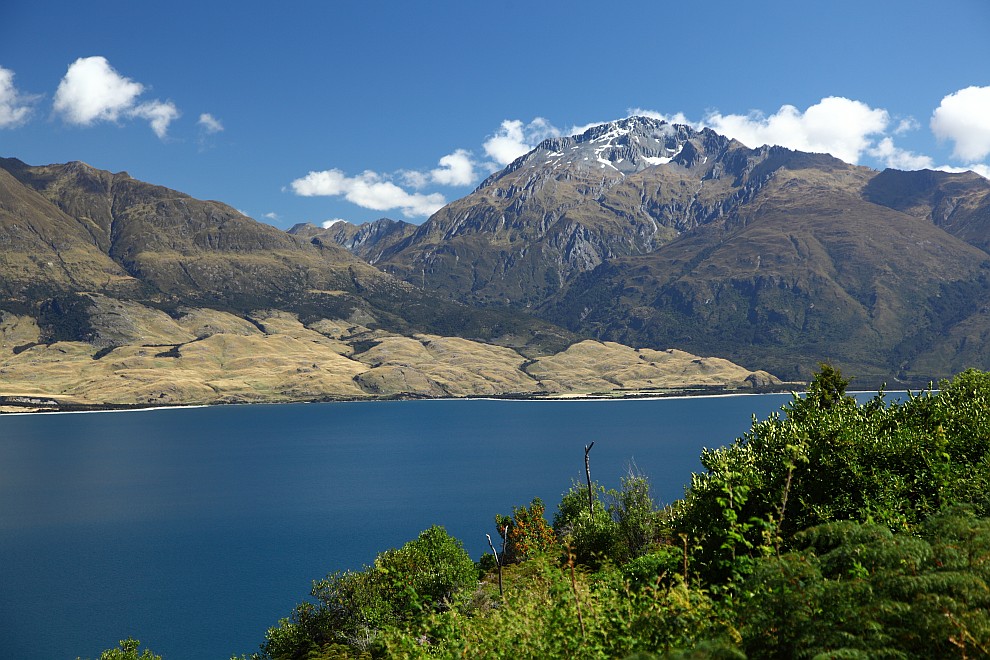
x: 195, y: 530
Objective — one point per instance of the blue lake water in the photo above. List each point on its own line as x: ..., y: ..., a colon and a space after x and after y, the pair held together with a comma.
x: 196, y: 529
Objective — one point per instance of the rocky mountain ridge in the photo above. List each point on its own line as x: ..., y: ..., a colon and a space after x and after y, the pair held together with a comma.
x: 654, y: 234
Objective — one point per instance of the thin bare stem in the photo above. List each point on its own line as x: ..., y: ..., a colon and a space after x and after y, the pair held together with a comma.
x: 587, y: 471
x: 498, y: 562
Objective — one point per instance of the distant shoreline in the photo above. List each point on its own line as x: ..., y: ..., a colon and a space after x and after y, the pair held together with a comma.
x: 40, y: 405
x: 37, y: 405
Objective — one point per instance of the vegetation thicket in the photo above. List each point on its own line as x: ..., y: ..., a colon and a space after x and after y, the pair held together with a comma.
x: 831, y: 530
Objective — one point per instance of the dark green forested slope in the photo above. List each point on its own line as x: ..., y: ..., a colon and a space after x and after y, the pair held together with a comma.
x: 833, y: 530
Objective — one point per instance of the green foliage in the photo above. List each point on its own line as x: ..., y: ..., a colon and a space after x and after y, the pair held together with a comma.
x: 592, y: 537
x: 827, y: 389
x: 128, y: 650
x: 859, y: 590
x: 556, y: 613
x: 622, y: 524
x: 428, y: 574
x: 640, y: 526
x: 829, y: 459
x: 526, y: 533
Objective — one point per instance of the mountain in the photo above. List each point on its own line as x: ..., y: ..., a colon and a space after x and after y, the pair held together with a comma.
x: 563, y: 209
x: 654, y: 234
x: 367, y: 240
x: 116, y: 291
x: 161, y: 246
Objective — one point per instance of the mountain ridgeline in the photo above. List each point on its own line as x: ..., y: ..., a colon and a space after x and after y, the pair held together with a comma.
x: 603, y: 261
x: 116, y: 291
x: 653, y: 234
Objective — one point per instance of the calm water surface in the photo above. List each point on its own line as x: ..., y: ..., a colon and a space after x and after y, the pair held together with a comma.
x: 195, y: 530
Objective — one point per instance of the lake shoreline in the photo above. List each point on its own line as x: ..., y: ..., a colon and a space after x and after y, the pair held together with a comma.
x: 43, y: 404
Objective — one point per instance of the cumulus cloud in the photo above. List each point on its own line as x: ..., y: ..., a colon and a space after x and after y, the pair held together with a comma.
x: 981, y: 169
x: 835, y: 125
x: 514, y: 139
x: 378, y: 192
x: 677, y: 118
x: 327, y: 224
x: 93, y: 91
x: 456, y: 169
x: 209, y: 123
x: 159, y: 114
x: 906, y: 125
x: 901, y: 159
x: 368, y: 190
x: 963, y: 118
x: 15, y: 107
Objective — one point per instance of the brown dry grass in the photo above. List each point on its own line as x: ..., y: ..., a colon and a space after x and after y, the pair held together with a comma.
x: 204, y: 356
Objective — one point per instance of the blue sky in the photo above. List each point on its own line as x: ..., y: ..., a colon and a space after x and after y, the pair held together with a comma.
x: 312, y: 111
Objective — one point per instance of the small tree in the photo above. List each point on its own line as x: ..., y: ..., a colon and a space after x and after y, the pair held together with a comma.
x: 591, y: 536
x: 636, y: 516
x: 828, y: 388
x: 526, y: 533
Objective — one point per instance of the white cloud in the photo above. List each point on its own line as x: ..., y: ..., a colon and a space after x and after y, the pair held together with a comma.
x: 415, y: 178
x: 93, y: 91
x: 964, y: 118
x: 15, y: 108
x: 327, y: 224
x: 835, y: 125
x: 209, y: 123
x: 456, y: 169
x: 677, y: 118
x: 514, y: 139
x: 907, y: 125
x: 271, y: 215
x: 368, y: 190
x: 901, y: 159
x: 158, y: 113
x: 981, y: 169
x: 850, y: 129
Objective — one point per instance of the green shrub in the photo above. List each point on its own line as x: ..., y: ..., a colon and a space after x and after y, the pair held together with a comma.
x: 430, y: 574
x: 526, y: 533
x: 828, y: 459
x: 591, y: 537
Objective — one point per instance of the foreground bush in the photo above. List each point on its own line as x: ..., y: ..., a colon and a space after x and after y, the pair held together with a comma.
x: 828, y: 459
x: 430, y: 574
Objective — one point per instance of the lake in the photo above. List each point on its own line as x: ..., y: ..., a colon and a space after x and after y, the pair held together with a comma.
x: 196, y: 529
